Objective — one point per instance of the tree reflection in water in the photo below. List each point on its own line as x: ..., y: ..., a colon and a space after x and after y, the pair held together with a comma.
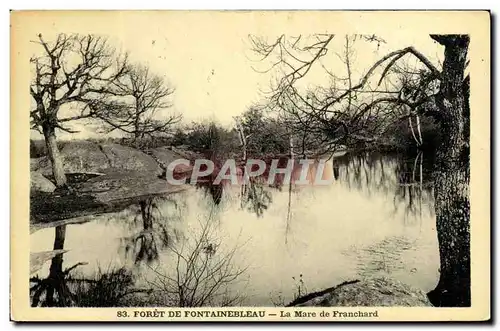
x: 408, y: 178
x: 156, y: 230
x: 53, y: 291
x: 405, y: 177
x: 256, y: 197
x: 62, y: 288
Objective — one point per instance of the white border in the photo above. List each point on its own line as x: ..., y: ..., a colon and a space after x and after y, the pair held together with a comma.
x: 185, y: 4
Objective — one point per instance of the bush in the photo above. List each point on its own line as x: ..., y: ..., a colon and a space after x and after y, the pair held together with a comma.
x: 109, y: 289
x: 202, y: 272
x: 61, y: 288
x: 212, y: 140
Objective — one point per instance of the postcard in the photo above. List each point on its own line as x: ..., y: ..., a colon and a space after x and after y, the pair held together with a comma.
x: 250, y: 166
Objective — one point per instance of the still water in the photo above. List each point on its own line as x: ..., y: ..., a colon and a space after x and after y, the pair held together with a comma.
x: 377, y: 218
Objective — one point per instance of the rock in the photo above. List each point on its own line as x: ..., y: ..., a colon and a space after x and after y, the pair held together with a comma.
x: 83, y: 156
x: 40, y: 184
x: 103, y: 194
x: 164, y: 156
x: 110, y: 192
x: 78, y: 156
x: 90, y: 157
x: 36, y: 163
x: 184, y: 152
x: 126, y: 185
x: 371, y: 292
x: 127, y: 158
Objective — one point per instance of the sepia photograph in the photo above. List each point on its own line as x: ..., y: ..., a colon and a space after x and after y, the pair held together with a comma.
x: 250, y: 165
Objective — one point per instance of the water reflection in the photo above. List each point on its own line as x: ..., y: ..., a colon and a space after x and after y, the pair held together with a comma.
x: 407, y: 178
x: 53, y: 290
x: 69, y: 288
x: 153, y: 232
x: 256, y: 197
x: 376, y: 218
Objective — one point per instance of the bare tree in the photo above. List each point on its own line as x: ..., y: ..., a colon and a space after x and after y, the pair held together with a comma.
x: 142, y: 96
x: 76, y: 70
x: 330, y: 113
x: 441, y: 93
x: 323, y: 127
x: 202, y: 272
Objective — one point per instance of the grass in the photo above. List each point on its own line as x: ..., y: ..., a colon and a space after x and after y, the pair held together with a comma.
x: 114, y: 288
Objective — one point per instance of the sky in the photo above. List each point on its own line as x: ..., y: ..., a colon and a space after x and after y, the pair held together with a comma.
x: 207, y: 57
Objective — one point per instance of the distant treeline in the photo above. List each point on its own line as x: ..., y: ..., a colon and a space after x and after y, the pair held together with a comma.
x: 264, y: 136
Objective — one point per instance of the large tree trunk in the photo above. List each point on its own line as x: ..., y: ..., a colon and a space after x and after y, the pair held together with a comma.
x: 54, y: 156
x: 452, y: 175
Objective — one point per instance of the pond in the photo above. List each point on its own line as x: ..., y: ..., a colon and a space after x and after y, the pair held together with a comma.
x: 377, y: 218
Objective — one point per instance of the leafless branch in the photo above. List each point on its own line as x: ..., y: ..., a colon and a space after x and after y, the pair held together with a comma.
x: 203, y: 271
x: 341, y: 114
x: 144, y: 96
x: 72, y: 69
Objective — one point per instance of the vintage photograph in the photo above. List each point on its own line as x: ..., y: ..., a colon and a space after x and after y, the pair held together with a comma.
x: 221, y: 164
